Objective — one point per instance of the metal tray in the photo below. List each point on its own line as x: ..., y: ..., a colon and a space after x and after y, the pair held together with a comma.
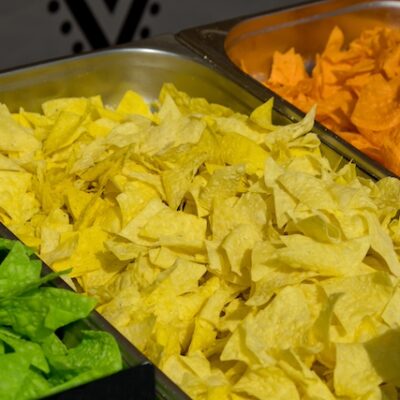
x: 306, y: 28
x: 143, y: 67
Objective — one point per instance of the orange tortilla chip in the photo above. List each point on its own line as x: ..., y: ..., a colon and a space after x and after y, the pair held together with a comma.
x: 355, y: 86
x: 288, y: 68
x: 363, y: 144
x: 391, y: 63
x: 335, y: 42
x: 377, y: 108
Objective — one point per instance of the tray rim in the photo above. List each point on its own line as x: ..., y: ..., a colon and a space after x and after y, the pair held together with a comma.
x: 162, y: 43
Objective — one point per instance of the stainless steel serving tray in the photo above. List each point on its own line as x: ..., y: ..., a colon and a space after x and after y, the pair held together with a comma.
x: 306, y: 27
x: 110, y: 73
x: 143, y: 67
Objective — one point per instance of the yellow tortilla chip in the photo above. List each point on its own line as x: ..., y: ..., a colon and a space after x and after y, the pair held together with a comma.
x: 310, y: 385
x: 169, y: 223
x: 338, y: 258
x: 354, y: 375
x: 133, y: 103
x: 13, y: 136
x: 356, y: 303
x: 227, y: 249
x: 267, y: 383
x: 77, y: 105
x: 85, y: 258
x: 16, y: 199
x: 64, y: 132
x: 237, y: 149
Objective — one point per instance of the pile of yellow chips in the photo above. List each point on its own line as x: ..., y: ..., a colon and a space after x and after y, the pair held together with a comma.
x: 356, y: 88
x: 227, y: 249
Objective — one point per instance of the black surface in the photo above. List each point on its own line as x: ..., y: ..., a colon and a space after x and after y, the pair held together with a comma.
x: 132, y: 20
x: 88, y: 23
x: 137, y: 383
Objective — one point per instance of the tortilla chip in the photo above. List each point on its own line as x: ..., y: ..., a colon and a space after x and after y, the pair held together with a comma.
x: 355, y: 87
x: 287, y: 68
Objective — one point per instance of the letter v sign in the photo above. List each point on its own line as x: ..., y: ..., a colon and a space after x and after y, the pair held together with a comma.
x: 107, y: 22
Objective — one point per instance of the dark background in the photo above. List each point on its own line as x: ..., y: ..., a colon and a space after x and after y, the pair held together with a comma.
x: 36, y: 30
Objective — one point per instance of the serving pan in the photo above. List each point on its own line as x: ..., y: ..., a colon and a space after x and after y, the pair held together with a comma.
x: 305, y: 27
x: 144, y: 67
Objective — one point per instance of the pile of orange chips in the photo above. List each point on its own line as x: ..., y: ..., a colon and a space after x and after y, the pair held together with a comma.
x: 356, y: 88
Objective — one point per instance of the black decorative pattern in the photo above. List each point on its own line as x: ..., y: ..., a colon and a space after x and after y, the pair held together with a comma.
x: 111, y: 4
x: 91, y: 28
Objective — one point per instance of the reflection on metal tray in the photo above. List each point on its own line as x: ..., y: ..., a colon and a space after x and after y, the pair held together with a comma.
x: 306, y: 28
x: 143, y: 68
